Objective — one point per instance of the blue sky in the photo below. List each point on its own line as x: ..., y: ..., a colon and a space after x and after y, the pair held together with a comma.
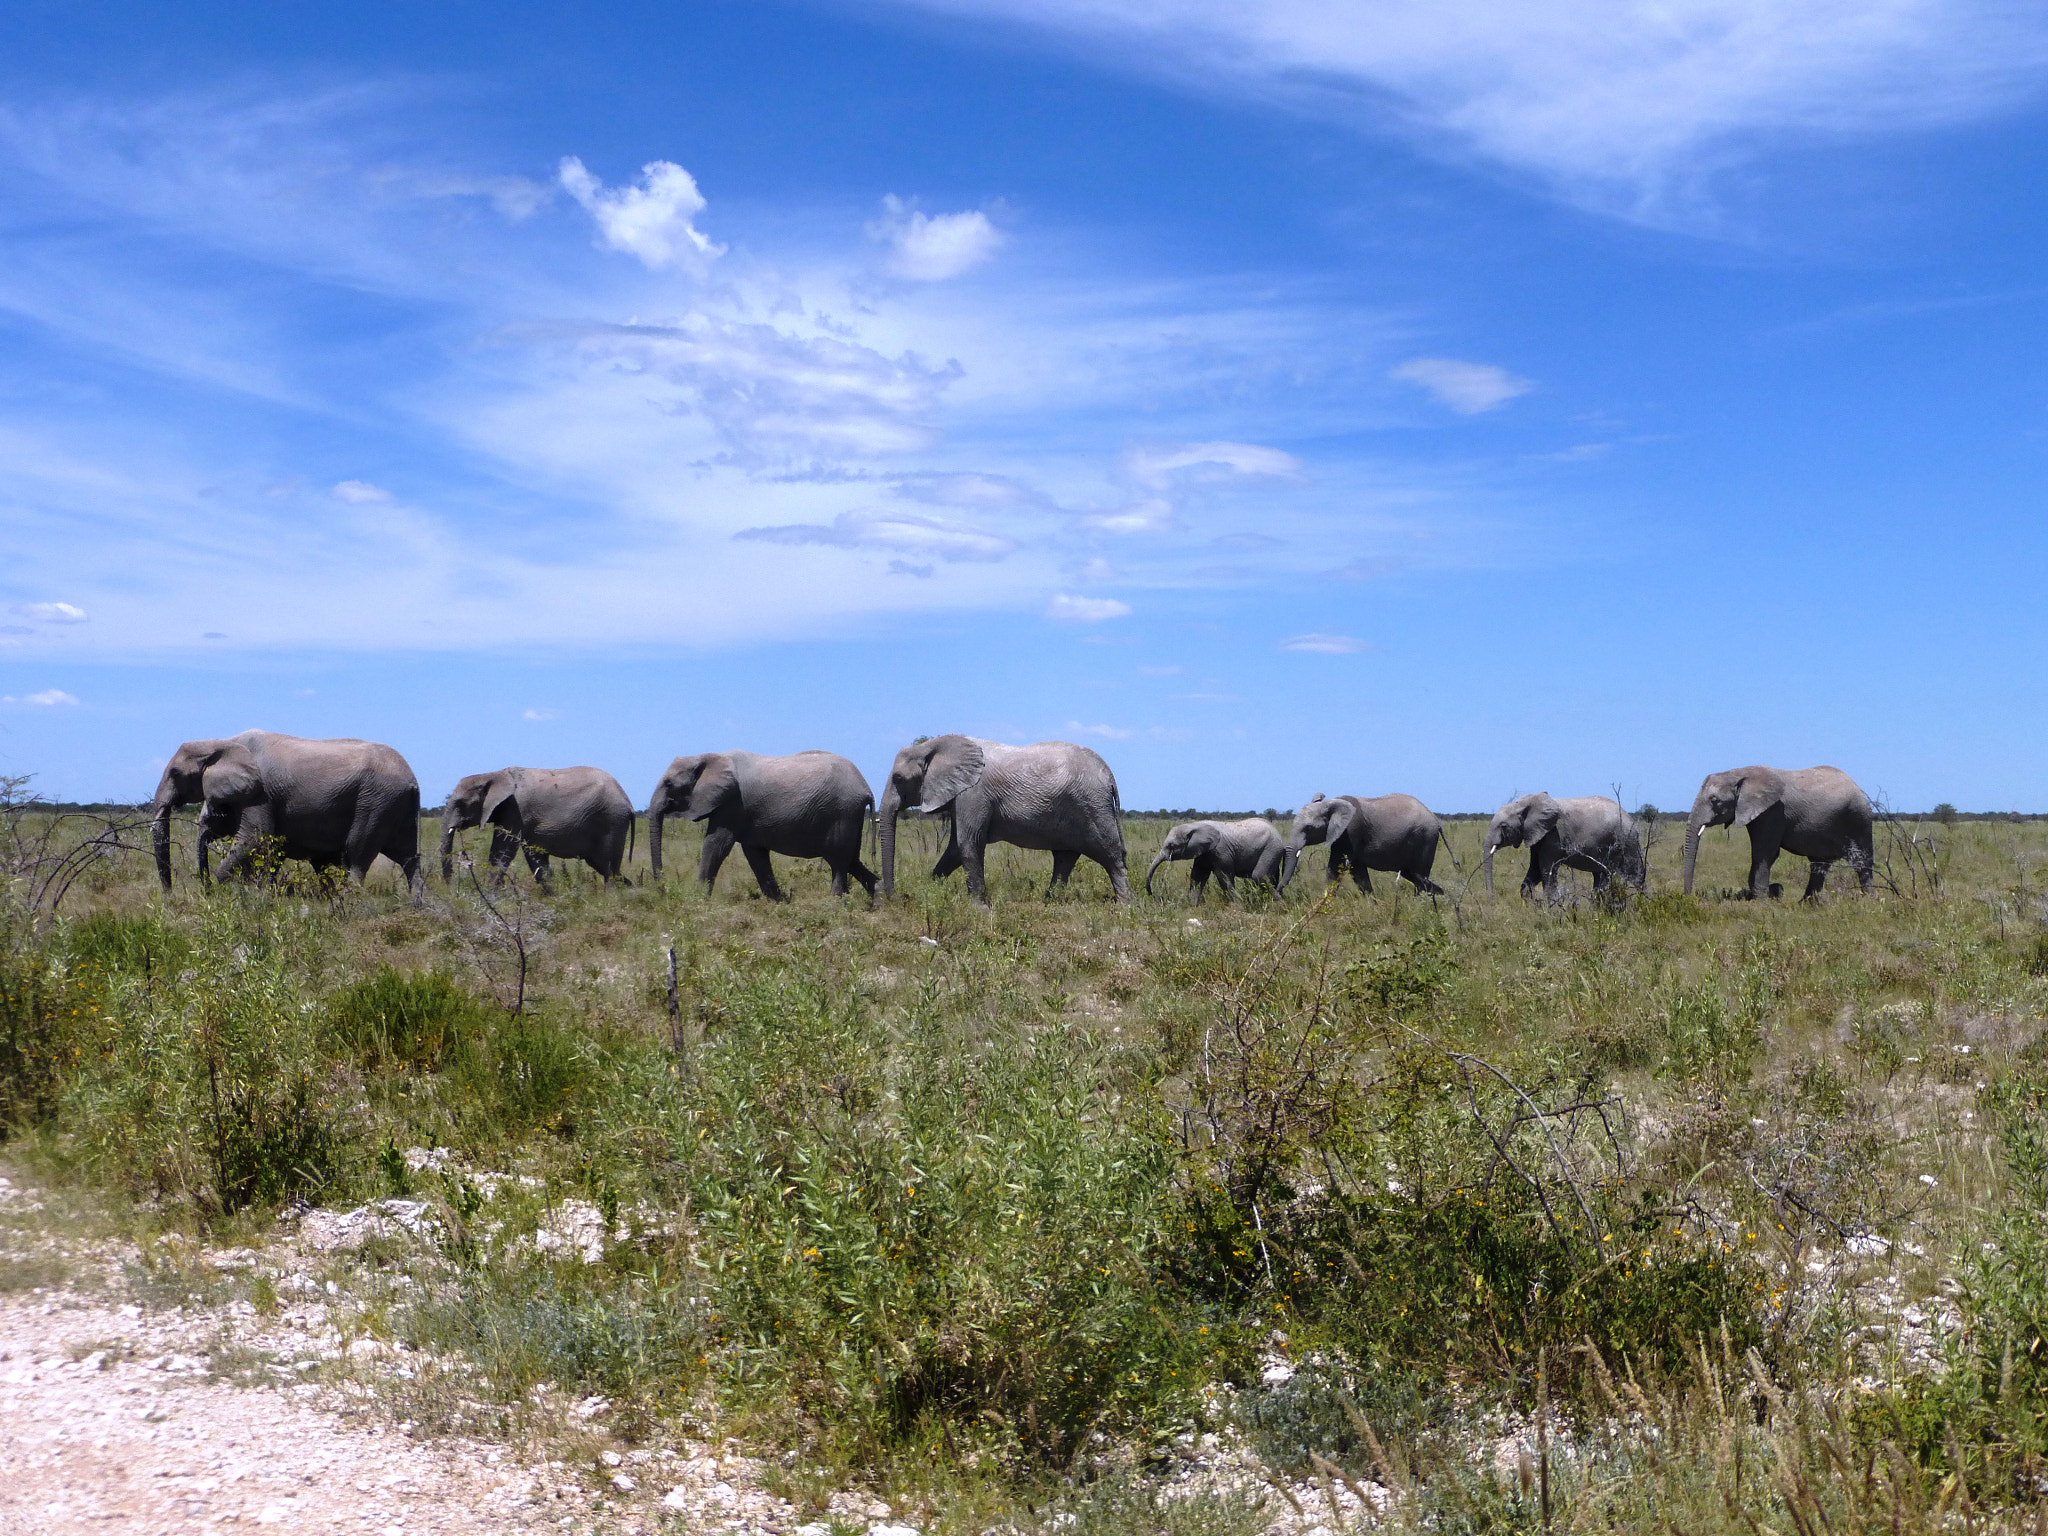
x: 1278, y: 398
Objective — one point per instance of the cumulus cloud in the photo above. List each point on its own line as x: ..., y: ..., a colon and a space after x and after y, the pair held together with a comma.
x: 651, y: 221
x: 1616, y: 99
x: 930, y: 248
x: 49, y: 698
x: 1106, y: 732
x: 896, y: 532
x: 52, y: 613
x: 1467, y: 388
x: 1327, y: 645
x: 1068, y: 609
x: 1158, y: 465
x: 359, y: 492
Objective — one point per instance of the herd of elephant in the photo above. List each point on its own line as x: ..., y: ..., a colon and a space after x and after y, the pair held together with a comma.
x: 341, y: 803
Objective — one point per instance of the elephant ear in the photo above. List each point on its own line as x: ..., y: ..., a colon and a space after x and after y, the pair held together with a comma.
x: 231, y: 778
x: 1341, y: 813
x: 1203, y: 837
x: 504, y: 787
x: 717, y: 782
x: 1540, y: 820
x: 955, y: 766
x: 1759, y: 792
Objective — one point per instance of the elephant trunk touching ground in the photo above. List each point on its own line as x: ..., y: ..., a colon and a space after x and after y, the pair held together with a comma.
x: 160, y: 839
x: 885, y: 836
x: 1489, y: 866
x: 657, y: 808
x: 1695, y: 824
x: 448, y: 831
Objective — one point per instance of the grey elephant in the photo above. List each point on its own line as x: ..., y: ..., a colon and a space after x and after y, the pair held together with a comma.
x: 331, y: 804
x: 1394, y: 833
x: 1053, y: 796
x: 569, y: 813
x: 1229, y: 850
x: 810, y: 805
x: 1817, y: 813
x: 1587, y: 832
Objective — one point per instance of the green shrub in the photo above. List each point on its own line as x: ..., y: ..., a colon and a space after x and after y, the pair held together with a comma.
x: 114, y: 943
x: 405, y: 1020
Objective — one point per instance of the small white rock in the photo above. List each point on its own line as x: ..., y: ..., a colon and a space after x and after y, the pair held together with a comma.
x: 623, y: 1483
x: 612, y: 1459
x: 679, y: 1498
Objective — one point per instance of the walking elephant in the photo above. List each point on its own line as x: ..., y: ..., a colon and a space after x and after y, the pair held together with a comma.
x: 569, y: 813
x: 1394, y: 833
x: 1589, y: 832
x: 1229, y: 850
x: 1053, y: 796
x: 1817, y: 813
x: 328, y: 803
x: 811, y: 805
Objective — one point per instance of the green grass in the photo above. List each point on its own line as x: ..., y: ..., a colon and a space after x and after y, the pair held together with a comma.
x: 988, y: 1208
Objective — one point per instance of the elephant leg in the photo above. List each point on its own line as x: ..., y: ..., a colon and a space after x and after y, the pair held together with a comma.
x: 1816, y: 877
x: 1361, y: 876
x: 1113, y: 865
x: 250, y: 835
x: 1763, y: 853
x: 1423, y: 883
x: 616, y: 872
x: 503, y: 846
x: 718, y: 842
x: 869, y: 881
x: 1063, y: 863
x: 950, y: 860
x: 537, y: 861
x: 1226, y: 883
x: 764, y: 871
x: 1336, y: 869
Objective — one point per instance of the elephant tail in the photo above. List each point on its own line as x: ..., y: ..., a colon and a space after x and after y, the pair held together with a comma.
x: 632, y: 836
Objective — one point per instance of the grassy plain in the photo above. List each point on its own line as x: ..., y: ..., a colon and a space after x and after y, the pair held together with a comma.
x: 1689, y: 1213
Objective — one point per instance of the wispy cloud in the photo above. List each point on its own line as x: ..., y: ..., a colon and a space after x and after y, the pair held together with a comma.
x: 1160, y: 465
x: 930, y: 248
x: 49, y: 698
x: 1327, y: 645
x: 892, y: 532
x: 359, y: 492
x: 1467, y: 388
x: 538, y: 715
x: 1106, y: 732
x: 1068, y: 609
x: 652, y: 221
x: 52, y: 613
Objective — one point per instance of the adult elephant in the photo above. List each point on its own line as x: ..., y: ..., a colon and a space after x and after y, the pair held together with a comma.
x: 569, y: 813
x: 1053, y: 796
x: 329, y: 803
x: 1394, y: 833
x: 1588, y: 832
x: 1817, y: 813
x: 1229, y: 850
x: 810, y: 805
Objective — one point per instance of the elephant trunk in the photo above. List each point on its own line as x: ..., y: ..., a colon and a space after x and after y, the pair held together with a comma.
x: 1290, y: 857
x: 447, y: 846
x: 1162, y: 859
x: 657, y: 808
x: 885, y: 836
x: 160, y: 841
x: 1694, y: 825
x: 1489, y: 867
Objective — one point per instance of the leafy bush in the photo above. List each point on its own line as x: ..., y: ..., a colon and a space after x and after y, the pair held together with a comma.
x: 406, y: 1020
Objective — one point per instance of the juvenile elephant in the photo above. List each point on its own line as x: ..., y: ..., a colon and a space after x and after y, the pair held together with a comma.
x: 1396, y: 833
x: 1589, y: 832
x: 811, y: 805
x: 571, y: 813
x: 327, y: 803
x: 1229, y: 850
x: 1816, y: 813
x: 1053, y: 795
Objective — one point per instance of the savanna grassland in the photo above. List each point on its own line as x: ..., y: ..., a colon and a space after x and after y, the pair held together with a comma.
x: 1684, y: 1213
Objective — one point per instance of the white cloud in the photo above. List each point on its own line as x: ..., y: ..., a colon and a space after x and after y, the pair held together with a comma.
x: 894, y: 532
x: 359, y: 492
x: 652, y: 220
x: 932, y: 248
x: 1106, y: 732
x: 52, y: 613
x: 1153, y: 515
x: 1467, y: 388
x: 1619, y: 100
x: 1327, y: 645
x: 1068, y: 609
x: 538, y: 714
x: 1158, y: 465
x: 49, y: 698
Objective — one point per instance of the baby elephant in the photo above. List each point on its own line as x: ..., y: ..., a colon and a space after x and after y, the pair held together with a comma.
x: 571, y: 813
x: 1229, y: 850
x: 1590, y: 832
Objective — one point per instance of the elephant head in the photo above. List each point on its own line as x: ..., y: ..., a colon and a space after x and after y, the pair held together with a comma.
x: 692, y: 788
x: 1320, y: 821
x: 478, y: 801
x: 1190, y: 840
x: 221, y: 775
x: 927, y: 776
x: 1518, y: 824
x: 1735, y: 798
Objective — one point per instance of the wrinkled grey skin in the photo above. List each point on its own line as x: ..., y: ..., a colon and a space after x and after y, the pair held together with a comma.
x: 1816, y: 813
x: 327, y: 803
x: 1395, y: 833
x: 569, y: 813
x: 1589, y: 832
x: 810, y: 805
x: 1053, y: 796
x: 1229, y: 850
